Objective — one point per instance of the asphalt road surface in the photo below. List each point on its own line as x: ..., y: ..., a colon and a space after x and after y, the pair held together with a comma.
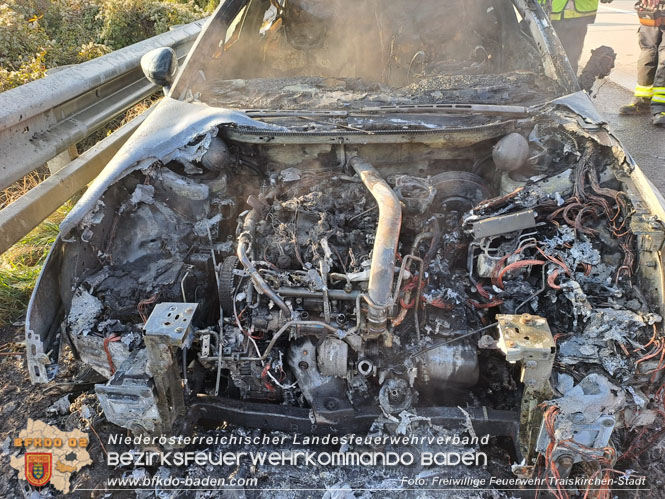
x: 642, y: 140
x: 616, y: 26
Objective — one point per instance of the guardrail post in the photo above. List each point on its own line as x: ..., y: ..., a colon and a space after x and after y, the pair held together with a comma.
x: 62, y: 159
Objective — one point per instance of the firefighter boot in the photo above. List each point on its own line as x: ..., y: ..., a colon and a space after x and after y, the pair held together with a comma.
x: 639, y: 105
x: 659, y: 119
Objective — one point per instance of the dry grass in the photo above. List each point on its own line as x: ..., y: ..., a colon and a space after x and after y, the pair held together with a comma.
x: 20, y: 265
x: 141, y: 107
x: 15, y: 191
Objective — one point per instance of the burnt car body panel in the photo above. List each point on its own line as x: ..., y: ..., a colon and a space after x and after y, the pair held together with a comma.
x: 165, y: 134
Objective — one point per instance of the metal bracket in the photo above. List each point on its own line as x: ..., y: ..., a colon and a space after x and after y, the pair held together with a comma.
x: 171, y: 322
x: 504, y: 224
x: 590, y: 436
x: 527, y: 339
x: 650, y: 232
x: 168, y: 328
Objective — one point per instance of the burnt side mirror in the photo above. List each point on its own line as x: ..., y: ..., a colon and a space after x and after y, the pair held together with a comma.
x: 160, y: 66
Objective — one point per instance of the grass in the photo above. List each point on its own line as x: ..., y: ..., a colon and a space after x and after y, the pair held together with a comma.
x: 21, y: 264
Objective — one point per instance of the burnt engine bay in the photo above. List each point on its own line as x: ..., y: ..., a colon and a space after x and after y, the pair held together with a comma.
x: 336, y: 284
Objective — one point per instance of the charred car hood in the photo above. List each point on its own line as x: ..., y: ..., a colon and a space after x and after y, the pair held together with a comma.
x: 173, y: 125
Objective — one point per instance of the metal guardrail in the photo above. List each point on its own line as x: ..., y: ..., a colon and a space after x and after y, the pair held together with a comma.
x: 45, y: 117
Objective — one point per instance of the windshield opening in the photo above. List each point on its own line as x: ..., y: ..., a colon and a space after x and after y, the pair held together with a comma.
x: 331, y: 54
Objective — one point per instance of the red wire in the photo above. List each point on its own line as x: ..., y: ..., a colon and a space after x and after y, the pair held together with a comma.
x: 516, y: 265
x: 110, y: 339
x: 491, y: 304
x: 264, y: 375
x: 482, y: 291
x: 552, y: 277
x: 439, y: 303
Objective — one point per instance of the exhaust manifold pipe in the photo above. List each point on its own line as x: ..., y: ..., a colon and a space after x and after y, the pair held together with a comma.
x: 382, y: 270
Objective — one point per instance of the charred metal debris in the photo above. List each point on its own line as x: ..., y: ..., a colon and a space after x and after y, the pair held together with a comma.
x: 512, y: 275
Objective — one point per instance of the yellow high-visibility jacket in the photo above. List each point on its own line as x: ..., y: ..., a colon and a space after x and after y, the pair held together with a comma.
x: 570, y: 9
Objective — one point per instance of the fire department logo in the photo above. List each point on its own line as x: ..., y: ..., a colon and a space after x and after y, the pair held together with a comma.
x: 38, y: 468
x: 50, y: 456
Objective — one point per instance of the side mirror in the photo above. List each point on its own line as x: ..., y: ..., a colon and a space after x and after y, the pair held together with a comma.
x: 160, y: 66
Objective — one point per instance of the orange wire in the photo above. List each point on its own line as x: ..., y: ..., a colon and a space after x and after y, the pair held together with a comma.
x: 516, y: 265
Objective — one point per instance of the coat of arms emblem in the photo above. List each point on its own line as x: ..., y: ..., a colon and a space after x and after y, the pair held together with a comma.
x: 38, y: 468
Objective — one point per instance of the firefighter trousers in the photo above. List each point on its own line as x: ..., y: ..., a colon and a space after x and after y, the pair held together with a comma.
x: 651, y: 67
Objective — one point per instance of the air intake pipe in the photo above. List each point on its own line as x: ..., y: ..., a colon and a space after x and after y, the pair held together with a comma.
x: 382, y: 270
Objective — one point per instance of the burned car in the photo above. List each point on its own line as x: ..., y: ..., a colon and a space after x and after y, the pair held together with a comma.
x: 349, y: 210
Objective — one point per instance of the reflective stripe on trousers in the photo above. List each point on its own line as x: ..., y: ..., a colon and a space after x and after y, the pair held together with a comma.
x: 644, y: 92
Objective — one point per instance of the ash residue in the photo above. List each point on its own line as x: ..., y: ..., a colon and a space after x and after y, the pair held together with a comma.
x: 354, y: 94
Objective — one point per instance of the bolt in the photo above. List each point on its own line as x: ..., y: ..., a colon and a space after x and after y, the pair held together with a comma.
x: 565, y: 462
x: 330, y: 404
x: 607, y: 423
x: 303, y: 365
x: 189, y: 310
x: 526, y: 319
x: 510, y: 343
x: 178, y: 330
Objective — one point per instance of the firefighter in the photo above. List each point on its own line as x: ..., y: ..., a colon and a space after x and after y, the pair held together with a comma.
x: 650, y: 90
x: 571, y: 20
